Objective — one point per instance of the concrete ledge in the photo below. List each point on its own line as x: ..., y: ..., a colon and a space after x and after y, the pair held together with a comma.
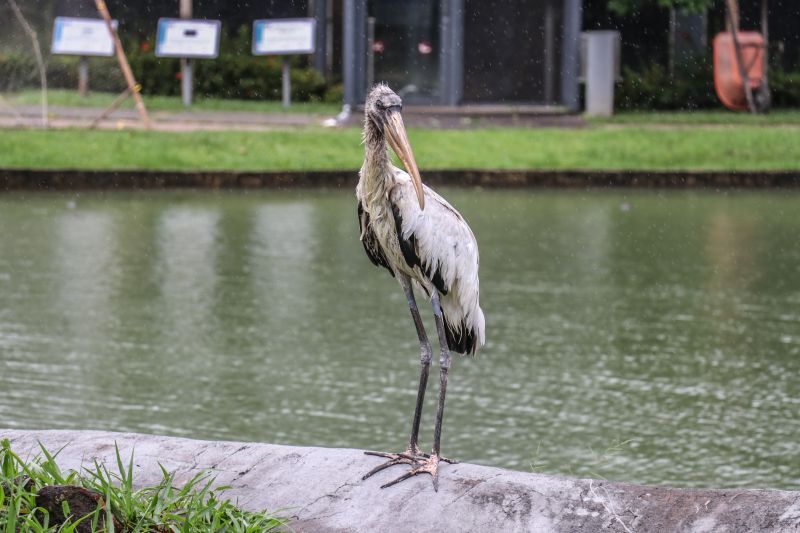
x: 68, y: 179
x: 322, y: 489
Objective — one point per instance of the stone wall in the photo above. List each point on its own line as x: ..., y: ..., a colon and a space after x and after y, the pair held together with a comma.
x: 54, y: 179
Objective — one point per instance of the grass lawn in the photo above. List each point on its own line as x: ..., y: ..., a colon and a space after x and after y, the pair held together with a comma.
x: 744, y: 147
x: 63, y: 97
x: 716, y: 117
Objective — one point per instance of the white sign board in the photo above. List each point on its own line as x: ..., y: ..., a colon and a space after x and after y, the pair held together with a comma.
x: 283, y: 36
x: 82, y: 37
x: 187, y: 38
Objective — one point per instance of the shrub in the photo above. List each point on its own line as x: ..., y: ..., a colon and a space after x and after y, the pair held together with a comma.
x: 653, y: 88
x: 693, y: 88
x: 785, y: 87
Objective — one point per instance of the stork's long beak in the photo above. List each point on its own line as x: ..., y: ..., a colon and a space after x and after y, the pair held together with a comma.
x: 398, y: 140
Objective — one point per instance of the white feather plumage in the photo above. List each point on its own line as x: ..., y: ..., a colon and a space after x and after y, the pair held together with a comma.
x: 444, y: 243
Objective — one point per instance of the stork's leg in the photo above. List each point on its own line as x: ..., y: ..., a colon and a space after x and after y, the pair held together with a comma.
x: 430, y: 465
x: 412, y: 455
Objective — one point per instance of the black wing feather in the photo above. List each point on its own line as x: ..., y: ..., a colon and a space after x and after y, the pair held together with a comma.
x: 409, y: 249
x: 370, y: 242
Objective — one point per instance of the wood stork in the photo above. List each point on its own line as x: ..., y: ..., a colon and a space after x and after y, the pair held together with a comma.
x: 425, y: 243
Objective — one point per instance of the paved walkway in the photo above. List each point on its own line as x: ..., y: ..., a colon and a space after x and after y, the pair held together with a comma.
x: 29, y: 116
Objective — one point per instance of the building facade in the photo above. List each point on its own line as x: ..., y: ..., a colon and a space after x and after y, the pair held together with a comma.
x: 440, y: 52
x: 452, y: 52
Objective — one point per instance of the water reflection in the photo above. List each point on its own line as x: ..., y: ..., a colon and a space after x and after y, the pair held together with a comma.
x: 186, y: 268
x: 649, y: 337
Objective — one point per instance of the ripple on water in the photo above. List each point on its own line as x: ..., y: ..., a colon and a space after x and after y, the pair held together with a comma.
x: 657, y: 345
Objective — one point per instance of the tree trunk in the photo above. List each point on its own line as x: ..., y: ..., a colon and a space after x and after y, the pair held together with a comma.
x: 38, y: 54
x: 764, y: 97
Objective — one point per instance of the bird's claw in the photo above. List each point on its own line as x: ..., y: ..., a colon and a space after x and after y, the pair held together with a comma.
x: 411, y: 456
x: 428, y: 466
x: 420, y: 463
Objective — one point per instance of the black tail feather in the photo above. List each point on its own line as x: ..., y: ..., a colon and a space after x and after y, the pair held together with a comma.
x: 460, y: 340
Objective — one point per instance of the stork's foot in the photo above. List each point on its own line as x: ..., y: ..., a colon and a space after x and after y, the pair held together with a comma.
x: 411, y: 456
x: 420, y: 462
x: 428, y: 466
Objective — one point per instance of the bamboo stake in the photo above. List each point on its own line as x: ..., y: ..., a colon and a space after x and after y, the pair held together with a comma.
x: 113, y: 107
x: 37, y: 52
x: 133, y: 87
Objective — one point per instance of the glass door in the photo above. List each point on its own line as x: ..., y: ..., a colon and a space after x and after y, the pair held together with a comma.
x: 406, y: 47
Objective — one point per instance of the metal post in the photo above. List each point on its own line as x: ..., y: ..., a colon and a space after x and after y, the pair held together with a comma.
x: 287, y: 83
x: 370, y: 52
x: 349, y: 52
x: 187, y: 84
x: 320, y: 39
x: 83, y: 76
x: 549, y: 53
x: 673, y: 28
x: 570, y: 54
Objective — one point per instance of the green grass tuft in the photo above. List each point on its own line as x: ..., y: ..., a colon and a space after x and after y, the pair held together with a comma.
x: 194, y: 507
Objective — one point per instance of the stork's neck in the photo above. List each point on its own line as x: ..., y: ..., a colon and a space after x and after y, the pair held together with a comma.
x: 377, y: 166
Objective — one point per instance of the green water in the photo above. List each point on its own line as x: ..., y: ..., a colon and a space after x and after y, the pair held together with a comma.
x: 640, y: 336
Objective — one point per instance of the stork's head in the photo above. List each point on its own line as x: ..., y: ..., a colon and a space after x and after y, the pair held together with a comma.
x: 382, y: 110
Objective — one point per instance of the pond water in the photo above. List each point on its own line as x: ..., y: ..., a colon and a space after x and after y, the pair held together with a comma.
x: 643, y: 336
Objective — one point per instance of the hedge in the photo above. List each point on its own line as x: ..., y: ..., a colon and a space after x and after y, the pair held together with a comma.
x: 234, y: 74
x: 692, y: 88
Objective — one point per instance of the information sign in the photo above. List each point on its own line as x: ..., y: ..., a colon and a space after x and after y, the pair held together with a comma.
x: 283, y: 36
x: 187, y: 38
x: 82, y: 37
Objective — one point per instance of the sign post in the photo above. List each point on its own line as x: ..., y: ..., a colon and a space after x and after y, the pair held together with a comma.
x: 82, y: 37
x: 187, y: 39
x: 185, y: 12
x: 83, y: 76
x: 284, y: 37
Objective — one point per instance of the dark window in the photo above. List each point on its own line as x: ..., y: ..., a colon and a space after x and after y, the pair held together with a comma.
x: 512, y: 50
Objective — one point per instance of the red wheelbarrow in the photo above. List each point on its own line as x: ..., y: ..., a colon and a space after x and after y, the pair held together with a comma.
x: 728, y: 79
